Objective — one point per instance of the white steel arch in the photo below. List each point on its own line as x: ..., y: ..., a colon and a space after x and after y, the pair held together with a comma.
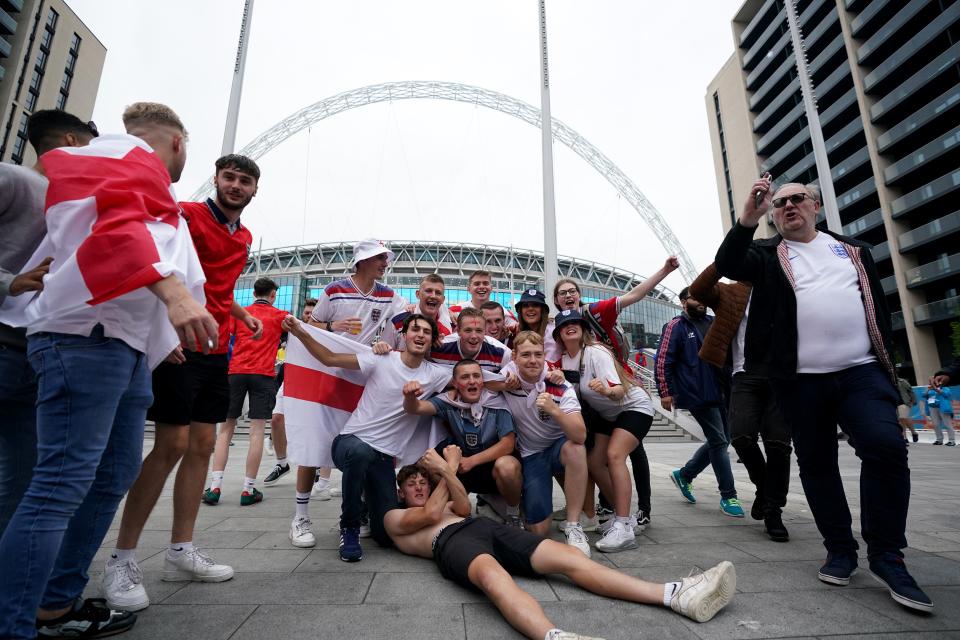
x: 453, y: 91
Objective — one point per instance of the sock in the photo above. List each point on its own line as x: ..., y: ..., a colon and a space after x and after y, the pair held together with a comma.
x: 552, y: 634
x: 248, y: 484
x: 124, y: 554
x: 321, y: 483
x: 303, y: 504
x: 573, y: 525
x: 217, y: 479
x: 282, y: 462
x: 624, y: 520
x: 513, y: 511
x: 177, y: 548
x: 669, y: 590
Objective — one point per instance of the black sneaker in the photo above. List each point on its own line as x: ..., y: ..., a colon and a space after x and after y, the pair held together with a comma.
x: 92, y: 619
x: 916, y: 438
x: 603, y: 514
x: 889, y: 569
x: 775, y: 529
x: 643, y: 518
x: 838, y: 568
x: 758, y: 508
x: 278, y: 472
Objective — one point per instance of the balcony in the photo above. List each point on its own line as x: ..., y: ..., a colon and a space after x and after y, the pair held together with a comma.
x: 889, y: 284
x: 869, y: 48
x: 866, y: 16
x: 920, y: 236
x: 864, y: 223
x: 944, y: 63
x: 752, y: 29
x: 925, y: 194
x: 928, y: 152
x: 771, y: 58
x: 759, y: 48
x: 896, y: 321
x: 866, y: 188
x: 942, y: 267
x: 8, y: 26
x: 937, y: 107
x: 947, y: 309
x: 880, y: 251
x: 13, y: 6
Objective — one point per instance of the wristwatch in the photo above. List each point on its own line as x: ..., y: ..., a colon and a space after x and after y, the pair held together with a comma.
x: 329, y: 326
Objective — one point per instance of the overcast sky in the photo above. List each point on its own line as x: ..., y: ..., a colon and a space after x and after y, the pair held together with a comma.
x: 629, y: 76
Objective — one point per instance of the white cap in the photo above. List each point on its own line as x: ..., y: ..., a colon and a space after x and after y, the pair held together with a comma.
x: 367, y: 249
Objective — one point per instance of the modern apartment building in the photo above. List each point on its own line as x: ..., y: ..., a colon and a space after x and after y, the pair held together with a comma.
x: 887, y: 79
x: 48, y: 60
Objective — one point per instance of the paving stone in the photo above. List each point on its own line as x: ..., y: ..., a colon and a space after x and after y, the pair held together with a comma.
x: 212, y: 622
x: 409, y: 620
x: 396, y: 587
x: 678, y: 554
x: 202, y: 539
x: 250, y: 561
x: 374, y: 561
x: 278, y: 588
x: 946, y: 617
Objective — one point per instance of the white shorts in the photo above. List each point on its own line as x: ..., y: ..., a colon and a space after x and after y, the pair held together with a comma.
x: 278, y: 405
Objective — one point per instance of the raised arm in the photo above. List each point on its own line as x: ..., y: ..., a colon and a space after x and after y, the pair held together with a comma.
x: 401, y: 522
x: 640, y: 291
x: 447, y: 469
x: 413, y: 404
x: 704, y: 288
x: 341, y: 360
x: 734, y: 258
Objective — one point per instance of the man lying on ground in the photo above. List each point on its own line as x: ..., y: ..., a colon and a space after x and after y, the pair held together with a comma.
x: 481, y: 554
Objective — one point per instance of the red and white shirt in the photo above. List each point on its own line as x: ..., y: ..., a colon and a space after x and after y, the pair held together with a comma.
x: 342, y: 299
x: 257, y: 356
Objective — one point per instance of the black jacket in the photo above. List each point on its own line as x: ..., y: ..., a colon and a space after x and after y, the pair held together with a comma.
x: 770, y: 347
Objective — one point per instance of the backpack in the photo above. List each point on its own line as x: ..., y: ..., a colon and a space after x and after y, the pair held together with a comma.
x: 623, y: 352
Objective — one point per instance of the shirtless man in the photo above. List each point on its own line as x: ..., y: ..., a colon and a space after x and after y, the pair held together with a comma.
x: 481, y: 554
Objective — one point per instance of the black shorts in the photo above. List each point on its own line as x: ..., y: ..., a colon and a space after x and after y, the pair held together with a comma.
x: 459, y: 544
x: 638, y: 424
x: 263, y: 395
x: 195, y: 391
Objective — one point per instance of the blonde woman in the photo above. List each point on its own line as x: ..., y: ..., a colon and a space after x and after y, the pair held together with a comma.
x: 620, y: 418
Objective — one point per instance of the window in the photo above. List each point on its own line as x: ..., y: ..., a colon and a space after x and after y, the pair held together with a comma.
x: 20, y: 143
x: 68, y: 72
x: 723, y: 153
x: 26, y: 65
x: 52, y: 18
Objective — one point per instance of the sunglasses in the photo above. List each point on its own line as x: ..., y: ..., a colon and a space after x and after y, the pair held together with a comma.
x: 796, y: 198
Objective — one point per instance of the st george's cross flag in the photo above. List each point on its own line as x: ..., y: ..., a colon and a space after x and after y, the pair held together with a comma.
x: 318, y: 400
x: 113, y: 228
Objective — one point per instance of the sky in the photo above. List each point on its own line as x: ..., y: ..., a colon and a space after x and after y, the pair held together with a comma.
x: 629, y: 76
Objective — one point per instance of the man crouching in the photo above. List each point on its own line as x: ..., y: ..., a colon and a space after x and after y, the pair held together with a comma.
x: 434, y: 522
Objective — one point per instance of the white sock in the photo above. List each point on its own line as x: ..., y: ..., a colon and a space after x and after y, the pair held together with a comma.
x: 217, y: 479
x: 553, y: 634
x: 573, y: 525
x: 124, y: 554
x: 282, y: 461
x: 513, y: 511
x: 624, y: 520
x: 303, y: 504
x: 248, y: 484
x: 321, y: 483
x: 177, y: 548
x: 669, y: 590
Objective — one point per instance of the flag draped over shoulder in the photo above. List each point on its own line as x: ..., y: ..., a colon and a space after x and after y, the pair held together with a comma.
x: 113, y: 228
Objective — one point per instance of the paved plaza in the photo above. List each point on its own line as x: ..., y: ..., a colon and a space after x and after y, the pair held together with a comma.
x: 283, y: 592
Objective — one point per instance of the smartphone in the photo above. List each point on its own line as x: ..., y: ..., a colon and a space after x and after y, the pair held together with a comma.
x: 759, y: 197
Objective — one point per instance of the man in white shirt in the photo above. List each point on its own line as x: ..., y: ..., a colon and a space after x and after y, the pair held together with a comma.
x: 820, y: 330
x: 379, y: 430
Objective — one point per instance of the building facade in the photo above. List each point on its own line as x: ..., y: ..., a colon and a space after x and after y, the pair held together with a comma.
x: 304, y: 271
x: 48, y: 60
x: 887, y: 80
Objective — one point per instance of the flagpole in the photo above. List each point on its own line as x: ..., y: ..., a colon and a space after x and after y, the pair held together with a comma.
x: 550, y: 267
x: 827, y: 194
x: 240, y: 63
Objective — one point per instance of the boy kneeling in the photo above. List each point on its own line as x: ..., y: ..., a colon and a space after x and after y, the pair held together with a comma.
x: 482, y: 554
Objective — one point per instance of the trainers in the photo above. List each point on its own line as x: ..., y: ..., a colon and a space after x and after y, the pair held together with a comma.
x: 732, y: 507
x: 838, y: 568
x: 568, y: 635
x: 916, y: 437
x: 773, y: 523
x: 321, y: 494
x: 587, y: 524
x: 247, y: 498
x: 577, y: 538
x: 889, y: 570
x: 619, y: 538
x: 279, y: 470
x: 938, y: 442
x: 758, y: 509
x: 701, y: 596
x: 686, y: 488
x: 122, y: 585
x: 300, y: 533
x: 210, y: 496
x: 365, y: 525
x: 951, y: 444
x: 336, y: 492
x: 92, y: 619
x: 194, y: 565
x: 604, y: 514
x: 643, y: 521
x: 350, y: 549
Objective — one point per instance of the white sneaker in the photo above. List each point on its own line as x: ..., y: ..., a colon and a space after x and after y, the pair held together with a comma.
x: 577, y: 538
x: 300, y: 533
x: 194, y: 565
x: 268, y: 445
x: 620, y: 537
x: 569, y: 635
x: 700, y: 597
x: 320, y: 494
x: 336, y: 492
x: 587, y: 524
x: 364, y: 531
x: 122, y: 585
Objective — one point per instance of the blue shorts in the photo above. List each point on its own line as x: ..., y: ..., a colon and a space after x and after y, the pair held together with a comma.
x: 538, y: 471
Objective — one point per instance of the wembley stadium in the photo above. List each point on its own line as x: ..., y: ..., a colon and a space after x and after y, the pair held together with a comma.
x: 303, y: 271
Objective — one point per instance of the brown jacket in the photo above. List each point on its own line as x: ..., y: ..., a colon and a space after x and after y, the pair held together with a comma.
x: 729, y: 302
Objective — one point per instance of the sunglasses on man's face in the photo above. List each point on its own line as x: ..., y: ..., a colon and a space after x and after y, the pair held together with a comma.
x: 796, y: 198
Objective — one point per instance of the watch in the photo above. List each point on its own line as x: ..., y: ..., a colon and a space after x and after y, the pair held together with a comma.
x: 329, y: 326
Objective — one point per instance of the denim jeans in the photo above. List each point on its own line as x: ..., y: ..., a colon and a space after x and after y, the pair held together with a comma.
x: 367, y: 473
x: 92, y: 399
x: 754, y: 412
x: 863, y: 401
x: 713, y: 421
x: 18, y: 429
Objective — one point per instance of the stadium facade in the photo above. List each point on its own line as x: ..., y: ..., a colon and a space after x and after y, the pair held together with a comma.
x: 303, y: 271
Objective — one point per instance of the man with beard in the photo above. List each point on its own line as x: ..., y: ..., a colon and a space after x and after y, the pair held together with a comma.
x: 430, y: 297
x: 686, y: 382
x: 191, y: 394
x: 379, y: 430
x: 470, y: 342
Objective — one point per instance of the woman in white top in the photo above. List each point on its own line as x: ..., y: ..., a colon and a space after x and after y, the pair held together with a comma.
x: 620, y: 418
x: 533, y: 314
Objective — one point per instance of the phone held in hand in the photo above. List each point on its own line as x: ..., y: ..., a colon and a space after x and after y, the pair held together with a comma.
x: 759, y: 197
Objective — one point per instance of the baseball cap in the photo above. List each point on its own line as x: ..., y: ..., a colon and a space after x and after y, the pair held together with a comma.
x: 369, y: 248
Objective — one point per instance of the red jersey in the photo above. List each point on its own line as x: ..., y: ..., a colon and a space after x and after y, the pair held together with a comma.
x: 222, y: 249
x: 606, y: 312
x: 257, y: 356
